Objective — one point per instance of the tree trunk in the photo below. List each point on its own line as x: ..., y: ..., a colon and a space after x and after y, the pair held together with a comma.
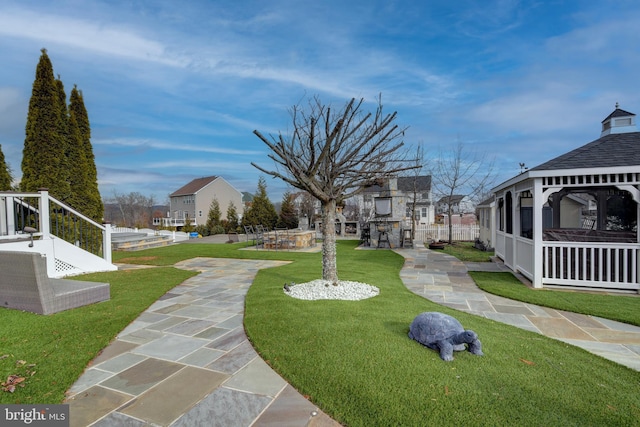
x: 329, y: 267
x: 450, y: 214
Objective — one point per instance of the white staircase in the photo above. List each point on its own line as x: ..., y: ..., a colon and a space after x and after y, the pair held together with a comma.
x: 71, y: 242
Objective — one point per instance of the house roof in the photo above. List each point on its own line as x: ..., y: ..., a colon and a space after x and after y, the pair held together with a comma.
x: 486, y: 202
x: 618, y: 145
x: 620, y: 149
x: 194, y: 186
x: 405, y: 184
x: 423, y: 183
x: 247, y: 197
x: 455, y: 198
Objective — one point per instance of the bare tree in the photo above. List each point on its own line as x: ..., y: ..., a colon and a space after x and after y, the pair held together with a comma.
x: 331, y: 154
x: 135, y: 209
x: 461, y: 172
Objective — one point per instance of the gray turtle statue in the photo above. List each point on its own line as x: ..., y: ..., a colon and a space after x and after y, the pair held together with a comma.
x: 444, y: 333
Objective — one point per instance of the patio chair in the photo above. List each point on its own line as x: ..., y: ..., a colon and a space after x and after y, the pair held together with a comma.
x: 24, y: 285
x: 250, y: 234
x: 282, y: 238
x: 260, y: 232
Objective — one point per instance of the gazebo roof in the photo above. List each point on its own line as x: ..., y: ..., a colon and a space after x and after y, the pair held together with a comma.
x: 619, y: 149
x: 618, y: 146
x: 618, y: 113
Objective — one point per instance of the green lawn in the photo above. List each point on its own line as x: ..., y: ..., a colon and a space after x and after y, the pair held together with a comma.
x: 352, y: 358
x: 61, y: 345
x: 465, y: 251
x: 355, y: 361
x: 615, y: 307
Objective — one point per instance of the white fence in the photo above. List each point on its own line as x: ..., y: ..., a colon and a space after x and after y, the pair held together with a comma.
x: 459, y: 232
x: 178, y: 236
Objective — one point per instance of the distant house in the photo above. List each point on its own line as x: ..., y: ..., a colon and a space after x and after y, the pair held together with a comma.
x: 573, y: 221
x: 191, y: 203
x: 247, y: 199
x: 460, y: 204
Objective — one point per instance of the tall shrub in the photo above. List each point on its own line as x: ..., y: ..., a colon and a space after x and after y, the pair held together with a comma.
x: 261, y: 211
x: 213, y: 218
x: 287, y: 218
x: 77, y: 111
x: 232, y: 217
x: 44, y: 152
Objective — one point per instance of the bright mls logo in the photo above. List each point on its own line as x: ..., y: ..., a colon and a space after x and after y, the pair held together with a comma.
x: 34, y: 415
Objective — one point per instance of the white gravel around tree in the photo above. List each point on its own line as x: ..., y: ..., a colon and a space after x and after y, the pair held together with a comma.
x: 323, y: 289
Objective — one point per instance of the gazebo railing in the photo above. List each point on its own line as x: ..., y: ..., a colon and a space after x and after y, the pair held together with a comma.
x: 591, y: 264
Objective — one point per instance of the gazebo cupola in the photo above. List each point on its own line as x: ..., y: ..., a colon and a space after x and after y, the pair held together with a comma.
x: 619, y: 121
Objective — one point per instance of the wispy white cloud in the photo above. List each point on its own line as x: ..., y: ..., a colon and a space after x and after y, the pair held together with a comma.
x: 104, y: 39
x: 489, y: 18
x: 201, y: 164
x: 173, y: 90
x: 172, y: 146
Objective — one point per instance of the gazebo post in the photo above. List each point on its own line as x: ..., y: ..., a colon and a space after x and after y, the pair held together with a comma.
x: 538, y: 253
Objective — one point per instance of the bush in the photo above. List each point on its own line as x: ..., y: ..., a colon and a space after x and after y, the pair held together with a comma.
x: 202, y: 230
x: 218, y: 229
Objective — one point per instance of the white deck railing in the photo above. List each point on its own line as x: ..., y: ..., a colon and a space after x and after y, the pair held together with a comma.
x: 68, y: 238
x: 590, y: 264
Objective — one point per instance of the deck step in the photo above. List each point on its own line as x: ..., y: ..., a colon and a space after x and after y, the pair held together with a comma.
x: 138, y: 241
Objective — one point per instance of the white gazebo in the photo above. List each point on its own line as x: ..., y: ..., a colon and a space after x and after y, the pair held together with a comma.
x: 572, y: 221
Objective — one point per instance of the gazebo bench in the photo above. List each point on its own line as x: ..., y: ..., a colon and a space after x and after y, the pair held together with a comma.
x: 24, y: 285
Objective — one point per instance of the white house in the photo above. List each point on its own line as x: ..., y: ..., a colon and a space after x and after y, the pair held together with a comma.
x: 572, y: 221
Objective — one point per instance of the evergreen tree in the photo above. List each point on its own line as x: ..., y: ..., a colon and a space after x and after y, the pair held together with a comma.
x: 213, y: 219
x: 94, y: 207
x: 232, y: 217
x: 78, y: 170
x: 44, y: 152
x: 5, y: 173
x: 287, y: 218
x: 261, y: 211
x: 70, y: 164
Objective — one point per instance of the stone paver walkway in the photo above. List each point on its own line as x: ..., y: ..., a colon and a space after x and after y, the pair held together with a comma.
x: 186, y: 361
x: 443, y: 279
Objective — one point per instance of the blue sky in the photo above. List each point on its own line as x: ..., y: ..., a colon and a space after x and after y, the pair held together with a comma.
x: 175, y: 89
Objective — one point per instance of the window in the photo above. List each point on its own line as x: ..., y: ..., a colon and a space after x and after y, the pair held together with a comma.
x: 526, y: 214
x: 623, y: 122
x: 526, y: 222
x: 500, y: 213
